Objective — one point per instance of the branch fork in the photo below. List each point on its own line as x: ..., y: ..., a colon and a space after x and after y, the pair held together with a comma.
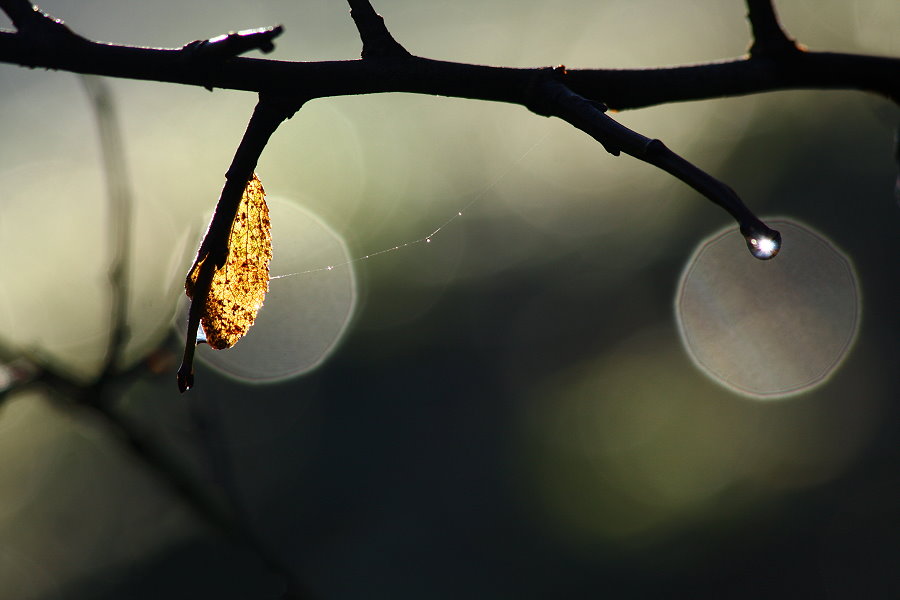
x: 769, y: 39
x: 377, y: 40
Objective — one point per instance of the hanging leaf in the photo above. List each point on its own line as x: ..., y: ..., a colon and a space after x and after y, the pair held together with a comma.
x: 239, y: 287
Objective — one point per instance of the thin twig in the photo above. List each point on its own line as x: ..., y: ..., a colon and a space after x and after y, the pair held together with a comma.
x: 769, y: 39
x: 235, y: 43
x: 36, y: 29
x: 377, y: 40
x: 558, y: 100
x: 22, y: 13
x: 269, y: 113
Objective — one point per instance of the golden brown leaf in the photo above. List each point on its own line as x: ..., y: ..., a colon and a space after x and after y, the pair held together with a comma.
x: 239, y: 287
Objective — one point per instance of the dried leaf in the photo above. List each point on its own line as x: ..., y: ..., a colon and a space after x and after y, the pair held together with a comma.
x: 239, y: 287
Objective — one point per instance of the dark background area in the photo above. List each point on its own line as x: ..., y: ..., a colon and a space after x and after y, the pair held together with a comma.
x: 511, y: 413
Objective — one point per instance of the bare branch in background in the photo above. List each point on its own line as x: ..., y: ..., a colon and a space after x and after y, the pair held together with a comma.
x: 120, y: 212
x: 219, y: 513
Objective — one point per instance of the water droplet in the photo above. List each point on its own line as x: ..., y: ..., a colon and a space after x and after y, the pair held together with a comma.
x: 459, y: 213
x: 763, y: 244
x: 330, y: 267
x: 427, y: 240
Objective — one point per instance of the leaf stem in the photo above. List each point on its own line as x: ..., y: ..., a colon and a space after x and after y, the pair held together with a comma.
x: 269, y: 113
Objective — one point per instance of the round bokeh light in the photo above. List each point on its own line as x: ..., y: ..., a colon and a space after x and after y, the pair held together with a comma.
x: 311, y: 300
x: 768, y: 329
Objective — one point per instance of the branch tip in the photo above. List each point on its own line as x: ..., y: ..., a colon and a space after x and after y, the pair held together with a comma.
x: 559, y: 100
x: 185, y: 378
x: 270, y: 112
x: 233, y: 43
x: 29, y: 20
x: 377, y: 40
x: 769, y: 39
x: 20, y: 12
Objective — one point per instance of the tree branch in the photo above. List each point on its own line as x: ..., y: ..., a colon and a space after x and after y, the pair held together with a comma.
x: 619, y: 89
x: 588, y: 116
x: 23, y: 13
x: 269, y: 113
x: 769, y: 39
x: 377, y: 40
x: 235, y: 43
x: 638, y: 88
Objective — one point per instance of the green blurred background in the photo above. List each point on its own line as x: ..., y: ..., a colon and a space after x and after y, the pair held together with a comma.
x: 511, y: 413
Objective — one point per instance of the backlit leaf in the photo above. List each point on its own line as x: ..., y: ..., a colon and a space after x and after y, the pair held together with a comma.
x: 239, y: 287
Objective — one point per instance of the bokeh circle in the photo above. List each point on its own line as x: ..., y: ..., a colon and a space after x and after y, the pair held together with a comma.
x: 311, y: 300
x: 768, y: 329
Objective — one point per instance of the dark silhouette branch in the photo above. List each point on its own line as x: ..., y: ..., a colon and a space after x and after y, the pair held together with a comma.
x: 619, y: 89
x: 24, y: 15
x: 235, y: 43
x: 639, y: 88
x: 769, y: 39
x: 269, y: 113
x: 588, y: 116
x: 377, y: 40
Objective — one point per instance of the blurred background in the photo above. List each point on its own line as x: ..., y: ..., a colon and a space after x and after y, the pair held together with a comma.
x: 505, y: 411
